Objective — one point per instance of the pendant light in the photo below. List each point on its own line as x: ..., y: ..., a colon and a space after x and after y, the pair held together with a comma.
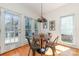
x: 41, y: 19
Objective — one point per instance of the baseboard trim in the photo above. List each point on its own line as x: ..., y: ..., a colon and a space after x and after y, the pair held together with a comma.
x: 67, y: 46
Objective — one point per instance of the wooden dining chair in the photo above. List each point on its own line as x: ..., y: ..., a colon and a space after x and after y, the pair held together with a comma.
x: 52, y: 45
x: 33, y: 45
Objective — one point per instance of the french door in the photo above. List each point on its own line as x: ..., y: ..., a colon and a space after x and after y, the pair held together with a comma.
x: 10, y: 33
x: 11, y: 28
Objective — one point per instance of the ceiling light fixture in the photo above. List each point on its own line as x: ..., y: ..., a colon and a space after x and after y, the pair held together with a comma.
x: 41, y: 19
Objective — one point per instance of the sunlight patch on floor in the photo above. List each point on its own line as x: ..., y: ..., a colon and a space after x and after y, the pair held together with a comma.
x: 58, y: 52
x: 62, y: 48
x: 59, y: 49
x: 49, y: 52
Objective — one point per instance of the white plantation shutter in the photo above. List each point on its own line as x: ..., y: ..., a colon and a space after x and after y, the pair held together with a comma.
x: 67, y: 25
x: 67, y: 29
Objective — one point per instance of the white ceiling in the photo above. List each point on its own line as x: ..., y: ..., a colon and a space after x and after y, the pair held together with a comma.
x: 47, y: 7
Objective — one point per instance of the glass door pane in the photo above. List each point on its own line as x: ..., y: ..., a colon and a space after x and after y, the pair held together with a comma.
x: 9, y: 30
x: 16, y: 25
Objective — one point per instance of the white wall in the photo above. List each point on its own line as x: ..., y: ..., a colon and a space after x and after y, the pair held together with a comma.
x: 19, y: 8
x: 70, y: 9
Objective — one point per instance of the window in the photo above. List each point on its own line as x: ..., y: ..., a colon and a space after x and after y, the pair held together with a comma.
x: 36, y: 27
x: 28, y: 24
x: 67, y: 28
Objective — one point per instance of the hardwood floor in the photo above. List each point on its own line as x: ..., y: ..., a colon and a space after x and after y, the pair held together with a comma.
x: 60, y: 51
